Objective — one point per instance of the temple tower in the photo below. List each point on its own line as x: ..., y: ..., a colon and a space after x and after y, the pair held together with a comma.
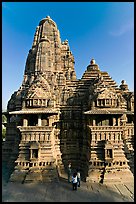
x: 33, y: 129
x: 55, y: 118
x: 107, y: 116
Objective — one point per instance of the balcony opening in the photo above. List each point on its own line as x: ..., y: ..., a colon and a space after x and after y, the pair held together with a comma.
x: 109, y: 153
x: 45, y: 120
x: 32, y: 120
x: 34, y: 153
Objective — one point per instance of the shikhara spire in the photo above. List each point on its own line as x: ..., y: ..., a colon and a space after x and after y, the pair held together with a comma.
x: 48, y: 53
x: 55, y: 118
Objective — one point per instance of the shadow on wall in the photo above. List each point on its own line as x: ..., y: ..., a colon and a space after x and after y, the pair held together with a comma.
x: 74, y: 141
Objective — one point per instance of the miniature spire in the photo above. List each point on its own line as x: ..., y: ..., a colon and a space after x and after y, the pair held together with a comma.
x: 93, y: 65
x: 92, y: 61
x: 124, y: 86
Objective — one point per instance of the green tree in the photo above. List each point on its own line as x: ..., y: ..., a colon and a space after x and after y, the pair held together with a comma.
x: 4, y: 119
x: 3, y: 133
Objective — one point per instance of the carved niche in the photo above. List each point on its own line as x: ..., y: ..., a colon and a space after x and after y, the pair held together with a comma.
x: 39, y: 94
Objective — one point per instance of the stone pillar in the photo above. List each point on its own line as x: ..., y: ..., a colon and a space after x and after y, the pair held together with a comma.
x: 25, y: 122
x: 23, y: 104
x: 131, y: 105
x: 111, y: 102
x: 97, y: 102
x: 104, y: 102
x: 94, y: 122
x: 118, y: 122
x: 114, y: 121
x: 51, y: 120
x: 30, y: 102
x: 102, y: 136
x: 120, y: 135
x: 93, y: 137
x: 30, y: 153
x: 132, y: 131
x: 39, y: 120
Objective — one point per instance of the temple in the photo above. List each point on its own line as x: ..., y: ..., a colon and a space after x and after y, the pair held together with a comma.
x: 55, y: 118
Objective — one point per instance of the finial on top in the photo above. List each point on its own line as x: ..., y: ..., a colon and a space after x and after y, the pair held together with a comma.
x: 65, y: 42
x: 123, y: 85
x: 123, y: 82
x: 92, y: 61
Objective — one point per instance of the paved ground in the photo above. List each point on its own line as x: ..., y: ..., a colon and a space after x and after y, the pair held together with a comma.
x: 61, y: 191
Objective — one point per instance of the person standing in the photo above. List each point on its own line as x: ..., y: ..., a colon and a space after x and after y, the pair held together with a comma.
x: 78, y: 178
x: 74, y: 181
x: 69, y: 172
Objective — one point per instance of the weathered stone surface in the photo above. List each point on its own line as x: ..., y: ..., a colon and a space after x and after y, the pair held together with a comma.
x: 55, y: 118
x: 18, y: 176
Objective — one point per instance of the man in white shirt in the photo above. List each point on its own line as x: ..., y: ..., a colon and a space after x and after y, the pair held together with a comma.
x: 74, y: 181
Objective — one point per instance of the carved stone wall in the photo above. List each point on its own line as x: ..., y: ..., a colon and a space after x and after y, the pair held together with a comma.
x: 54, y: 118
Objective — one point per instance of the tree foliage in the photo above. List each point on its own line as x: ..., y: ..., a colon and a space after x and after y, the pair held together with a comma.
x: 3, y: 133
x: 4, y: 119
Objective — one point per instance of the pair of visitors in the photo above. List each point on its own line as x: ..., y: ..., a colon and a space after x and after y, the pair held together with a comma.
x: 76, y: 179
x: 77, y: 173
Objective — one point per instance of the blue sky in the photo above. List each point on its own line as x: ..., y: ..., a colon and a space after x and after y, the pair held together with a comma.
x: 100, y: 30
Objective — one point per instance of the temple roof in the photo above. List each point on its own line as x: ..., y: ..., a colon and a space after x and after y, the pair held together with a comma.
x: 34, y: 111
x: 107, y: 111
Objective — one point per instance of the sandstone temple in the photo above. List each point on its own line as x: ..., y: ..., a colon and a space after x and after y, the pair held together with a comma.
x: 55, y: 118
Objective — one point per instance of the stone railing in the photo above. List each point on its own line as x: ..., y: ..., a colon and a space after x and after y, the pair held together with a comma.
x: 130, y: 128
x: 128, y: 131
x: 112, y: 133
x: 34, y: 128
x: 106, y: 128
x: 41, y: 164
x: 40, y: 133
x: 130, y: 124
